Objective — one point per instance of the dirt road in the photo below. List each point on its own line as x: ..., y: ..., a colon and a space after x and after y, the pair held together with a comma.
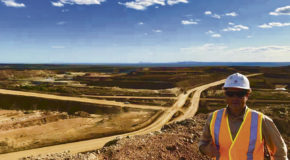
x: 191, y: 111
x: 128, y: 97
x: 98, y: 143
x: 78, y: 99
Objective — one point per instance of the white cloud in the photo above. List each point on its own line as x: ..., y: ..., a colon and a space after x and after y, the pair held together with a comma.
x: 216, y: 16
x: 12, y: 3
x: 231, y: 23
x: 221, y: 52
x: 270, y: 53
x: 281, y: 11
x: 173, y: 2
x: 233, y: 14
x: 212, y: 15
x: 274, y: 24
x: 188, y: 22
x: 208, y: 47
x: 210, y: 32
x: 205, y: 52
x: 211, y: 47
x: 264, y: 49
x: 213, y: 34
x: 236, y: 28
x: 143, y: 4
x: 61, y: 3
x: 57, y: 4
x: 140, y: 23
x: 207, y: 12
x: 61, y: 23
x: 216, y: 35
x: 157, y: 30
x: 265, y: 26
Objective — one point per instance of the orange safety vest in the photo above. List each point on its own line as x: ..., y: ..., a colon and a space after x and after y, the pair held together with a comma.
x: 248, y: 143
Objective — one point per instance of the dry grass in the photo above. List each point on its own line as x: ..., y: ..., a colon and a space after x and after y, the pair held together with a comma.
x: 70, y: 130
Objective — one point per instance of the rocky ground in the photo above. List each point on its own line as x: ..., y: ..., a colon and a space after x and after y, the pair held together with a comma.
x: 176, y: 141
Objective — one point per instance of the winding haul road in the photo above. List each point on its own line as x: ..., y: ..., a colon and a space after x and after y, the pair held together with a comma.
x: 93, y: 144
x: 194, y: 102
x: 77, y: 99
x: 128, y: 97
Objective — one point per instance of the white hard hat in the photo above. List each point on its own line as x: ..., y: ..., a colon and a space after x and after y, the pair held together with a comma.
x: 237, y: 80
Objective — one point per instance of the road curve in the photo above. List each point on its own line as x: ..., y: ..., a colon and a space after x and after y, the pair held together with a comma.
x: 194, y: 102
x: 93, y: 144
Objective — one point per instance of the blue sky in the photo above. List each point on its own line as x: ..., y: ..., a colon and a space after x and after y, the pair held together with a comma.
x: 132, y: 31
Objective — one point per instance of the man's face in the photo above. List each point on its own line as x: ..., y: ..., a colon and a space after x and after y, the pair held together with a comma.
x: 236, y: 98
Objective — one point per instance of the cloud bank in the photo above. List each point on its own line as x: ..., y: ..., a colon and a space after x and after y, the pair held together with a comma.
x: 264, y: 49
x: 210, y: 52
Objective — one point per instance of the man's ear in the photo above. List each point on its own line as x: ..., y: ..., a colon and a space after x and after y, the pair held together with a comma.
x: 249, y: 92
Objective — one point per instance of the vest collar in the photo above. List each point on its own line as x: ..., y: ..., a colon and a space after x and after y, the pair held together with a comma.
x: 242, y: 116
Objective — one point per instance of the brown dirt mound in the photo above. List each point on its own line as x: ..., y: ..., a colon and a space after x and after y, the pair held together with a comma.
x: 176, y: 141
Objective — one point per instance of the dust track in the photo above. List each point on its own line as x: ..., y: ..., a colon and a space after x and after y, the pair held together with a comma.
x: 93, y: 144
x: 78, y: 99
x: 194, y: 102
x: 129, y: 97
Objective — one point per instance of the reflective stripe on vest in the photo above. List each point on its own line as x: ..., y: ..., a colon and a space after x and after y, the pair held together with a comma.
x: 248, y: 145
x: 217, y: 128
x: 253, y: 135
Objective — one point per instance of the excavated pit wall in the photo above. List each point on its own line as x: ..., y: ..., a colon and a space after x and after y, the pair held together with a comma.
x: 16, y: 102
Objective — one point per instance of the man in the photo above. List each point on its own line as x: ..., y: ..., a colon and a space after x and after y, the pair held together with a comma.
x: 238, y: 132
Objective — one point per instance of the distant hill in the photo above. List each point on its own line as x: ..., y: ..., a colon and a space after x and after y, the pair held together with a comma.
x: 192, y: 63
x: 169, y: 64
